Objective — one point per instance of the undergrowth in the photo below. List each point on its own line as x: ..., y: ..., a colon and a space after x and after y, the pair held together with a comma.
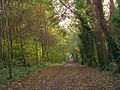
x: 18, y: 72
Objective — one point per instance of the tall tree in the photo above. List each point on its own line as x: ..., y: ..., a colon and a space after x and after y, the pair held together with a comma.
x: 1, y: 29
x: 9, y: 35
x: 105, y: 29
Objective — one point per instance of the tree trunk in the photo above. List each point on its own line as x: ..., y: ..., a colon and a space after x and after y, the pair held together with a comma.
x: 10, y: 51
x: 87, y: 39
x: 21, y: 45
x: 9, y: 38
x: 20, y: 36
x: 99, y: 15
x: 1, y: 29
x: 111, y: 9
x: 36, y: 50
x: 101, y: 49
x: 103, y: 26
x: 43, y: 52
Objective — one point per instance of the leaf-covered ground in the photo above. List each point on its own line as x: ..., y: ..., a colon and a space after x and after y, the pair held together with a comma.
x: 68, y: 77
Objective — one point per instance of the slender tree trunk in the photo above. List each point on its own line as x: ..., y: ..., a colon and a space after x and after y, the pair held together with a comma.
x: 36, y: 50
x: 1, y: 34
x: 21, y: 45
x: 9, y: 38
x: 20, y: 36
x: 10, y: 52
x: 43, y: 52
x: 3, y: 43
x: 111, y: 10
x: 1, y: 29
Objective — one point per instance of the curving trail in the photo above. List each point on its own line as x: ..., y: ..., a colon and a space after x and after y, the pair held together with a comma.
x: 68, y: 77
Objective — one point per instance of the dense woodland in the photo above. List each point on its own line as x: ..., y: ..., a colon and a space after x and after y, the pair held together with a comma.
x: 32, y: 34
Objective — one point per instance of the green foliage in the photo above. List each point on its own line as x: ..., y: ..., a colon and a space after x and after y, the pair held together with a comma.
x: 116, y: 20
x: 56, y: 55
x: 30, y: 22
x: 116, y: 17
x: 80, y: 4
x: 36, y: 36
x: 18, y: 72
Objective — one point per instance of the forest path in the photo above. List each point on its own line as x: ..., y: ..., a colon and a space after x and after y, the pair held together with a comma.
x: 68, y: 77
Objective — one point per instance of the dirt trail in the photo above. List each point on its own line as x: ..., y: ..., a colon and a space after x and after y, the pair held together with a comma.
x: 69, y: 77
